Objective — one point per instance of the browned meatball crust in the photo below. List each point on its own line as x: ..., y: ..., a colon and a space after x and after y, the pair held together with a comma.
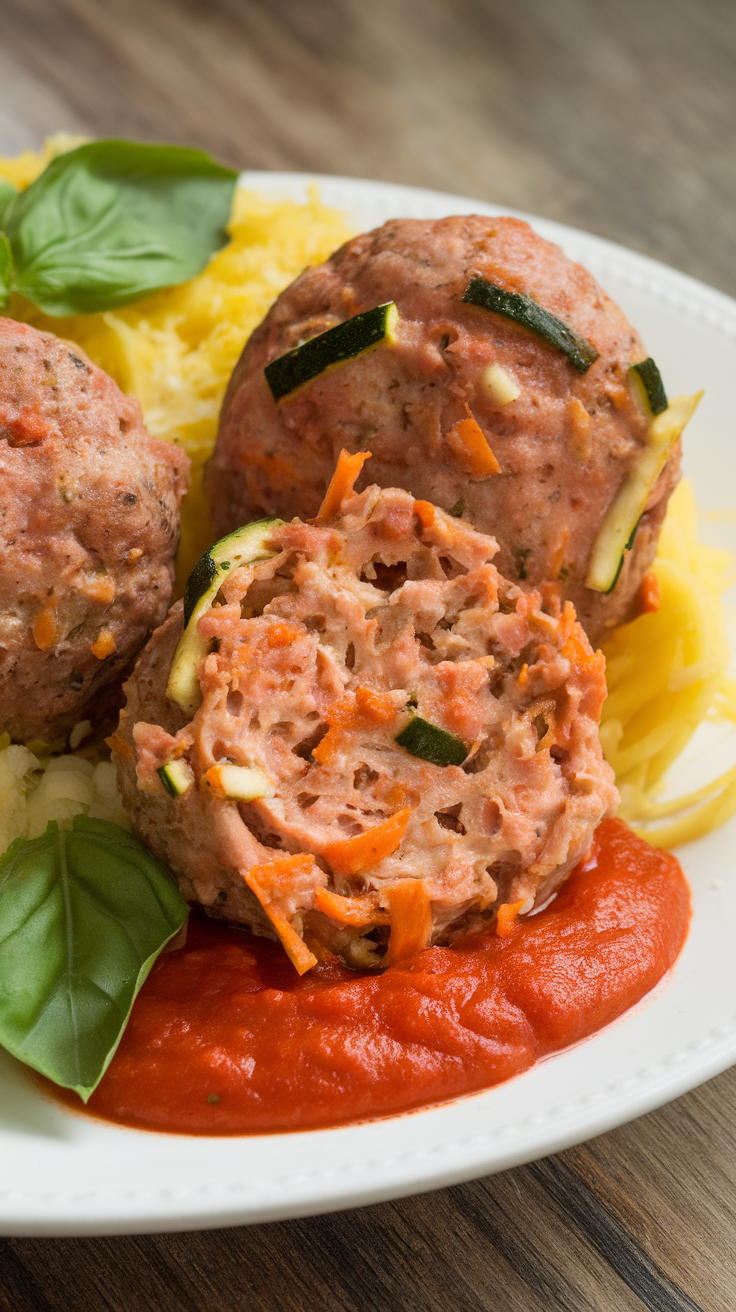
x: 564, y: 445
x: 89, y: 524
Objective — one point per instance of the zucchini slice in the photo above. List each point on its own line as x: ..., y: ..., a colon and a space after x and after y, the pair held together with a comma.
x: 243, y: 547
x: 430, y: 743
x: 616, y: 533
x: 522, y: 309
x: 343, y: 342
x: 239, y: 783
x: 176, y: 777
x: 647, y: 382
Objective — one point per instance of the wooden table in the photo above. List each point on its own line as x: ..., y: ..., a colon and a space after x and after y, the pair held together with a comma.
x: 616, y: 118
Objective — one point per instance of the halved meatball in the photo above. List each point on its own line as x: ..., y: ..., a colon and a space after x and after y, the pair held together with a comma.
x: 89, y: 524
x: 426, y: 732
x: 563, y: 441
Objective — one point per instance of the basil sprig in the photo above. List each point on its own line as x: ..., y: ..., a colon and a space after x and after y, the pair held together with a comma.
x: 110, y: 222
x: 84, y: 913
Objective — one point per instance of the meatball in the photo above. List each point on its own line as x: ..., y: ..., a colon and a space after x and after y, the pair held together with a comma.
x: 563, y: 441
x: 426, y: 733
x: 89, y: 524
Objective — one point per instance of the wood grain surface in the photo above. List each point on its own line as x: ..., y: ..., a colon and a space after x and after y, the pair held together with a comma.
x: 619, y: 118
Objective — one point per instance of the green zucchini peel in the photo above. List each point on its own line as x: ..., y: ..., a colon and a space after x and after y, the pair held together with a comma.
x: 527, y: 312
x: 246, y: 546
x: 336, y: 346
x: 616, y: 534
x: 647, y: 381
x: 427, y: 741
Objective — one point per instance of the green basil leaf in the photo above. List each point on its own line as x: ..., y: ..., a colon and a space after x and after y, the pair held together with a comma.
x: 114, y: 220
x: 6, y: 270
x: 84, y: 913
x: 8, y: 192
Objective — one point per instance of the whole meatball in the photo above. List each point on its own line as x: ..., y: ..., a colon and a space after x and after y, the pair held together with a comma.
x: 564, y: 441
x: 89, y: 524
x: 424, y: 736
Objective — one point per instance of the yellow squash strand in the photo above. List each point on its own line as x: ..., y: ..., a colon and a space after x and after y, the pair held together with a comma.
x: 667, y: 673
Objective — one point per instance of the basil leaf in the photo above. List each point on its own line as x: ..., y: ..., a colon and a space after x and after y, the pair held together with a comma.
x: 83, y: 915
x: 6, y: 270
x: 7, y: 193
x: 114, y: 220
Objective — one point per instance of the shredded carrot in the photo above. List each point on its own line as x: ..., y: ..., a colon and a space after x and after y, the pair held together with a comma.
x: 410, y: 910
x: 397, y: 795
x: 104, y: 646
x: 340, y: 716
x: 506, y: 919
x: 342, y: 483
x: 101, y: 589
x: 377, y: 707
x: 650, y: 594
x: 120, y: 747
x: 426, y: 513
x: 581, y: 658
x: 45, y: 629
x: 272, y: 880
x: 523, y: 675
x: 28, y: 428
x: 281, y: 635
x: 351, y: 855
x: 353, y: 711
x: 356, y: 911
x: 469, y: 445
x: 301, y: 958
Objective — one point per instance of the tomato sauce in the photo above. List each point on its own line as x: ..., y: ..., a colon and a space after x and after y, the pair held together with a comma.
x: 225, y: 1038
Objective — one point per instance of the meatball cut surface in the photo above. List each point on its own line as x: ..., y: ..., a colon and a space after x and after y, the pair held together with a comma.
x: 562, y: 442
x: 426, y: 733
x: 89, y: 524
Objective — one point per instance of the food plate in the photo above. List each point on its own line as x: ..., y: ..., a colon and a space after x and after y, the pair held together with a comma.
x: 65, y: 1174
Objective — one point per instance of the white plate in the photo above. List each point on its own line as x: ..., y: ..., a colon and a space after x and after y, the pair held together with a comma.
x: 62, y: 1174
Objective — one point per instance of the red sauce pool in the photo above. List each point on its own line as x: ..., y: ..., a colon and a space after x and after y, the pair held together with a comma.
x: 226, y: 1039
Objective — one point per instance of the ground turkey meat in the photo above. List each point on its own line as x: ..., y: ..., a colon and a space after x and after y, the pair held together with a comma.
x: 382, y: 610
x: 563, y: 441
x: 89, y: 524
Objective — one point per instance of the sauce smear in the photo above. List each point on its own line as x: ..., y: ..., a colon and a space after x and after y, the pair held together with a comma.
x: 225, y: 1038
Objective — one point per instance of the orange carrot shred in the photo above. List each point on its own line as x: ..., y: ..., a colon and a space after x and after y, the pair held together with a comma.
x: 281, y: 635
x: 120, y: 747
x: 341, y: 483
x: 44, y: 628
x: 650, y: 594
x: 469, y: 445
x: 271, y: 880
x: 301, y: 958
x: 356, y: 911
x: 410, y: 910
x: 426, y: 513
x: 351, y: 855
x: 353, y: 711
x: 506, y: 919
x: 376, y: 706
x: 584, y: 661
x: 104, y: 646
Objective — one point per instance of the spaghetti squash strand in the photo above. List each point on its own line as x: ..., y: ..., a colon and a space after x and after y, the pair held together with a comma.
x: 667, y: 674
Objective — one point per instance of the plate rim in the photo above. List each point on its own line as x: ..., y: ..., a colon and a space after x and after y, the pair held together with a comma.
x: 381, y: 1178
